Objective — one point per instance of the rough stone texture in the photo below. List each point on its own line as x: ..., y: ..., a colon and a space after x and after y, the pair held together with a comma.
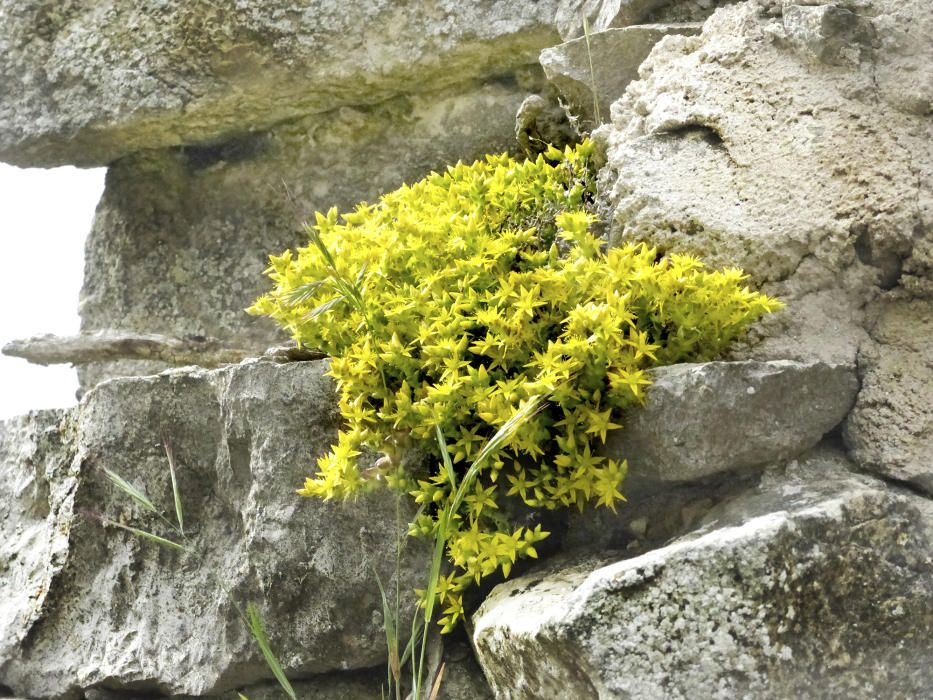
x: 100, y: 346
x: 607, y: 14
x: 181, y: 236
x: 796, y: 143
x: 817, y: 584
x: 541, y: 121
x: 36, y: 491
x: 87, y: 81
x: 112, y: 610
x: 890, y: 430
x: 463, y: 680
x: 701, y: 419
x: 654, y: 513
x: 617, y: 52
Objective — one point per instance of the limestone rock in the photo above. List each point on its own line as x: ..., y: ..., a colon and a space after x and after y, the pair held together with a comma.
x: 608, y: 14
x: 181, y: 236
x: 794, y: 142
x: 701, y: 419
x: 89, y: 82
x: 541, y: 121
x: 98, y: 606
x: 36, y: 491
x: 617, y: 52
x: 818, y: 584
x: 890, y: 429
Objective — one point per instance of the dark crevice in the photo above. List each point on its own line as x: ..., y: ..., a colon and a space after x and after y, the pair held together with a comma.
x: 232, y: 150
x: 900, y: 484
x: 697, y: 132
x: 888, y: 263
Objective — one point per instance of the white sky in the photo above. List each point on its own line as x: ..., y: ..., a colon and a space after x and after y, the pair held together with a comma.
x: 45, y: 216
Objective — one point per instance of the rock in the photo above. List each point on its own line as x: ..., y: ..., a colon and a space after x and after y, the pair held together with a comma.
x: 211, y: 216
x: 36, y: 491
x: 541, y: 122
x: 818, y: 584
x: 701, y: 419
x: 890, y: 429
x: 730, y: 136
x: 608, y: 14
x: 464, y: 679
x: 365, y: 685
x: 829, y: 33
x: 102, y: 346
x: 98, y: 606
x: 617, y: 52
x: 90, y: 83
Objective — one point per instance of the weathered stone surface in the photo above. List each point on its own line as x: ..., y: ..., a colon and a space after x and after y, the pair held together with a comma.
x: 463, y: 680
x: 36, y: 490
x: 607, y: 14
x: 117, y: 611
x: 102, y: 346
x: 541, y: 122
x: 890, y: 429
x: 89, y: 82
x: 181, y: 236
x: 701, y: 419
x: 798, y: 148
x: 617, y: 52
x: 818, y: 584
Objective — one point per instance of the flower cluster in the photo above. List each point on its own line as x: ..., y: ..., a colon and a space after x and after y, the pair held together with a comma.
x: 451, y: 303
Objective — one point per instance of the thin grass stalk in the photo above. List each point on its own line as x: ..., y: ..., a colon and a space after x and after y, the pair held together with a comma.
x: 176, y: 494
x: 589, y: 56
x: 505, y: 433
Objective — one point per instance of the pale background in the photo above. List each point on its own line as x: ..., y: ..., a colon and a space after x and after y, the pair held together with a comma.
x: 45, y: 216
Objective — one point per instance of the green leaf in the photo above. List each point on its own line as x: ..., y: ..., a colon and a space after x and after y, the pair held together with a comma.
x: 323, y: 308
x: 136, y: 494
x: 150, y: 536
x: 390, y: 626
x: 179, y: 513
x: 259, y: 634
x: 445, y: 454
x: 301, y: 293
x: 503, y: 435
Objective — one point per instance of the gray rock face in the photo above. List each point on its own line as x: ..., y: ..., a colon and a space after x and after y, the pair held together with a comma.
x: 701, y: 419
x: 89, y: 82
x: 818, y: 584
x: 890, y: 430
x: 36, y: 491
x: 181, y: 236
x: 93, y: 605
x: 617, y: 52
x: 608, y: 14
x: 773, y: 111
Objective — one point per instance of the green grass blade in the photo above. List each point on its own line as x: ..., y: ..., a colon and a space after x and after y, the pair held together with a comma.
x: 301, y: 293
x: 149, y: 536
x: 390, y: 626
x: 326, y: 306
x: 259, y: 634
x: 589, y: 55
x: 445, y: 454
x: 503, y: 435
x: 430, y: 594
x: 179, y: 513
x: 318, y: 242
x: 130, y: 490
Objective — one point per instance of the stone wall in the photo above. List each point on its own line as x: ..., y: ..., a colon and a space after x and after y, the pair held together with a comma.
x: 776, y: 540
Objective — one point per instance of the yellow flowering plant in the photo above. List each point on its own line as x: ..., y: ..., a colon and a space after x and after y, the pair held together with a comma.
x: 456, y: 304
